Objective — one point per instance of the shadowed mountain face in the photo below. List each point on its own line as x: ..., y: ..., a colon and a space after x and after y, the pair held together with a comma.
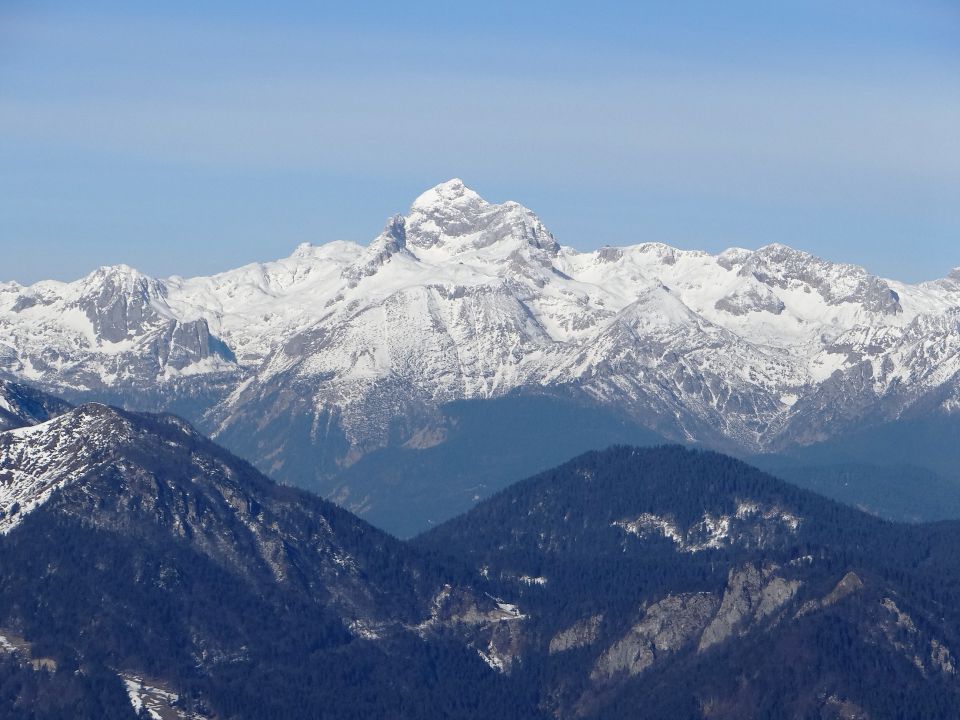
x: 907, y: 469
x: 339, y: 353
x: 674, y: 583
x: 22, y: 405
x: 486, y: 445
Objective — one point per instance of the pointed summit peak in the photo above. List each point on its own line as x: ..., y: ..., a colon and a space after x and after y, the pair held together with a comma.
x: 120, y: 301
x: 114, y: 280
x: 121, y: 276
x: 452, y: 193
x: 120, y: 271
x: 303, y: 250
x: 452, y: 217
x: 391, y: 241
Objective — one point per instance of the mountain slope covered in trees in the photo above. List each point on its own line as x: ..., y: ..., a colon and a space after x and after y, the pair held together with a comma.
x: 144, y: 566
x: 667, y: 582
x: 132, y: 545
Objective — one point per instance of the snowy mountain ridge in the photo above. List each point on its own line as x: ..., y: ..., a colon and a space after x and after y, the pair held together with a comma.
x: 465, y: 299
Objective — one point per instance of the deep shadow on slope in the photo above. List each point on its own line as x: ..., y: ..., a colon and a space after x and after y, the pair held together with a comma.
x: 489, y: 444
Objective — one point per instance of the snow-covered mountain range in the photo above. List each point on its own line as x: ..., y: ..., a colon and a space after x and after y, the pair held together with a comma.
x: 351, y: 348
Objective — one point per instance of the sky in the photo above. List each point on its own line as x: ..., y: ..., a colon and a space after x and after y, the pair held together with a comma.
x: 189, y: 138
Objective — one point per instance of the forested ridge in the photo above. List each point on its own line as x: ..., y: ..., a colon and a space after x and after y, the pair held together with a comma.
x: 171, y: 559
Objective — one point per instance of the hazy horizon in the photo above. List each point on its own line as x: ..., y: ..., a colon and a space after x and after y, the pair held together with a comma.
x: 190, y: 140
x: 365, y: 242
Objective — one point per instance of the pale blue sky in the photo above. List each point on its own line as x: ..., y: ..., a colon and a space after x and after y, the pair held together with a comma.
x: 185, y: 140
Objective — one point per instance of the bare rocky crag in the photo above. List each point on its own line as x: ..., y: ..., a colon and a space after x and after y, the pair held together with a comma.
x: 756, y: 600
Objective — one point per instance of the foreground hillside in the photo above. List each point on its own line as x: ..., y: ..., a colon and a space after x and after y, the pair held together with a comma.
x: 144, y: 567
x: 134, y: 551
x: 667, y: 583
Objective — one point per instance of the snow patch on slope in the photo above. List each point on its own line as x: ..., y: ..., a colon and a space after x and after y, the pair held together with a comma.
x: 38, y: 460
x: 751, y: 525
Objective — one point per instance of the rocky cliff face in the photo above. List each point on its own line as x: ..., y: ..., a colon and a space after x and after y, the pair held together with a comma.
x: 666, y: 627
x: 112, y: 336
